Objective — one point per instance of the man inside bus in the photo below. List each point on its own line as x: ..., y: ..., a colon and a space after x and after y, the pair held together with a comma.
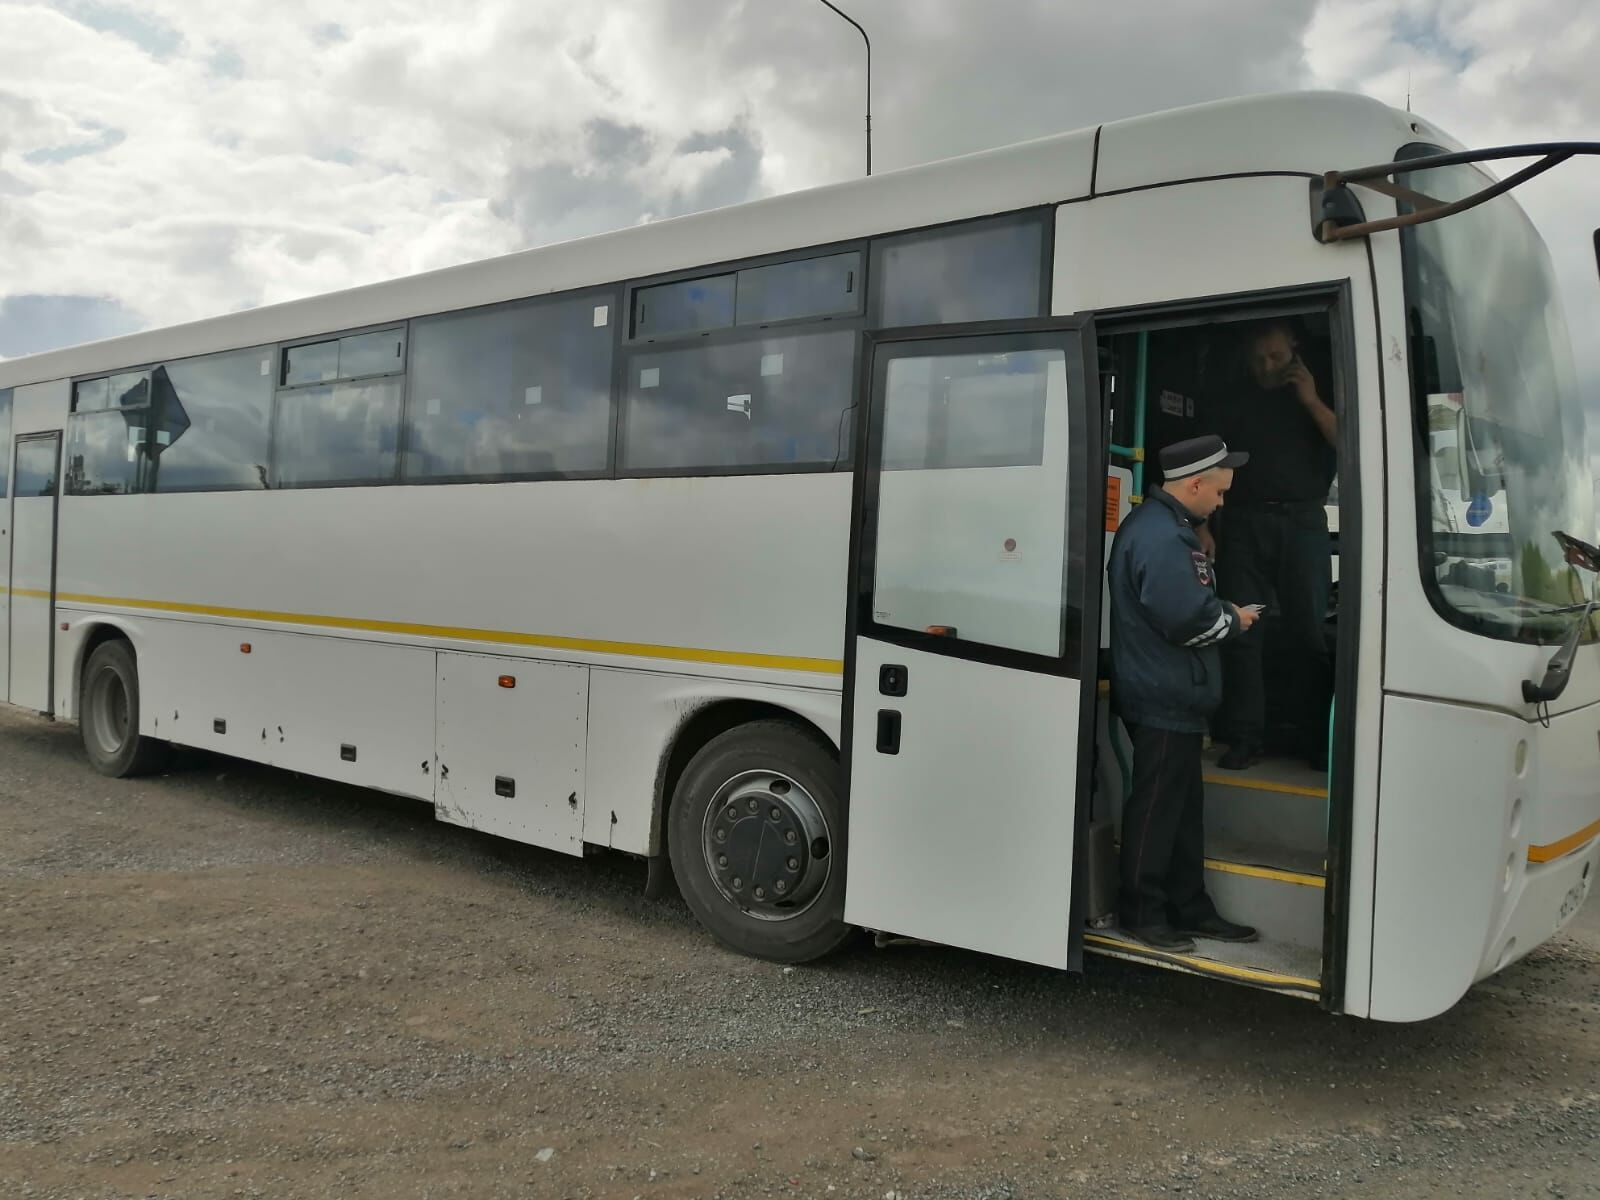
x: 1273, y: 542
x: 1167, y: 625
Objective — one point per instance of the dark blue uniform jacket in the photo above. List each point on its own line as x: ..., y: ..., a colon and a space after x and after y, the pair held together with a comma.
x: 1166, y: 620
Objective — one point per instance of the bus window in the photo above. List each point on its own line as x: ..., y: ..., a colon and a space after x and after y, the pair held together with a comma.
x: 337, y: 433
x: 808, y: 287
x: 36, y: 467
x: 730, y: 405
x: 689, y: 306
x: 986, y: 270
x: 211, y: 424
x: 5, y: 439
x: 107, y: 450
x: 519, y: 390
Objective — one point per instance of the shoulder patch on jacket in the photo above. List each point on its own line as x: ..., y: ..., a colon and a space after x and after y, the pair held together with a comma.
x: 1202, y: 567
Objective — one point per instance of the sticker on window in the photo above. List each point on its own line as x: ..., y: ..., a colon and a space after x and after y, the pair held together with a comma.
x: 435, y: 407
x: 739, y: 404
x: 772, y: 364
x: 602, y: 315
x: 533, y: 395
x: 650, y: 377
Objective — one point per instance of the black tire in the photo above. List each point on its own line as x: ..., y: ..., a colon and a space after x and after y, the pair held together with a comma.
x: 108, y: 715
x: 774, y: 896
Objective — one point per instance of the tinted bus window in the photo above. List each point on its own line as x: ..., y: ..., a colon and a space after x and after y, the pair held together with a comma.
x: 521, y: 390
x: 810, y: 287
x: 337, y: 433
x: 212, y: 422
x: 36, y: 468
x: 5, y: 439
x: 352, y: 357
x: 91, y: 395
x: 107, y: 452
x: 761, y: 402
x: 987, y: 270
x: 690, y: 306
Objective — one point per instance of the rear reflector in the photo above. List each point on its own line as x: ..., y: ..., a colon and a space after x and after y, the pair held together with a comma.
x: 508, y: 681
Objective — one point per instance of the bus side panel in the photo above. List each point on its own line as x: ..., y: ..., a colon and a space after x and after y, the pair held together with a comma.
x: 360, y: 713
x: 1487, y: 852
x: 511, y: 735
x: 634, y: 719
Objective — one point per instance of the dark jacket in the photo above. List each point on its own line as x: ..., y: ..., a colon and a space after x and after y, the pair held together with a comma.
x: 1166, y: 620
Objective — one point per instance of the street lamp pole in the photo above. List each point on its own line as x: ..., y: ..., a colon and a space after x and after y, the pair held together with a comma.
x: 868, y: 41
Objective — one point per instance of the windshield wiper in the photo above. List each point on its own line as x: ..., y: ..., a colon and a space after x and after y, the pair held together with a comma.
x: 1559, y: 669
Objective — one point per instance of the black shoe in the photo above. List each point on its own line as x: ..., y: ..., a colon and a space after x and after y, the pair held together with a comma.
x: 1240, y: 755
x: 1162, y: 937
x: 1218, y: 929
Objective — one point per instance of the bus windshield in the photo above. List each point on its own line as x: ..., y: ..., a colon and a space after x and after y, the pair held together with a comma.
x: 1504, y: 461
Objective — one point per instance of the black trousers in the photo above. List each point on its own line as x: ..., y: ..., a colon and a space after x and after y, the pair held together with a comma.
x: 1276, y: 555
x: 1163, y: 831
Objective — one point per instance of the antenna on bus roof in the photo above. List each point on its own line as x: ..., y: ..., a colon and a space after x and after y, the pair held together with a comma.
x: 1408, y: 89
x: 868, y: 41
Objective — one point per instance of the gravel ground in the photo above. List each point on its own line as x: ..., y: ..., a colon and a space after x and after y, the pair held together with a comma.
x: 233, y: 981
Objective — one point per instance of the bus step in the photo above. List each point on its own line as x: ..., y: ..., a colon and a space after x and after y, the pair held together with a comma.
x: 1275, y: 803
x: 1280, y: 892
x: 1275, y: 966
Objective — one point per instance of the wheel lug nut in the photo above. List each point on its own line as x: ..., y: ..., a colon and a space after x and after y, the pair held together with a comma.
x: 790, y: 837
x: 794, y: 865
x: 781, y: 886
x: 722, y: 860
x: 737, y: 883
x: 761, y: 893
x: 722, y: 835
x: 775, y: 814
x: 753, y: 805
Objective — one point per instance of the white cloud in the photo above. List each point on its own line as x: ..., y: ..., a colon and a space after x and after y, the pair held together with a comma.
x: 178, y: 159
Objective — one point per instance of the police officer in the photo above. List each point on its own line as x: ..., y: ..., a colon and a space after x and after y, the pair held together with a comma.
x: 1166, y: 678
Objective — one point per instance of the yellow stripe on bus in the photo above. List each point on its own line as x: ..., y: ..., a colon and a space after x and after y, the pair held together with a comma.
x: 1565, y: 846
x: 771, y: 662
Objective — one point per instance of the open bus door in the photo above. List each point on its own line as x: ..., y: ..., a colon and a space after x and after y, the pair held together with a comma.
x: 970, y: 661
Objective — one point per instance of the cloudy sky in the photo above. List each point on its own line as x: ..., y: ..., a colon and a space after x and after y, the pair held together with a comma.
x: 162, y: 160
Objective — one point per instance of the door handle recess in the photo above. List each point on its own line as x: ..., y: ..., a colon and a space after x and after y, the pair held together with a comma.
x: 888, y: 731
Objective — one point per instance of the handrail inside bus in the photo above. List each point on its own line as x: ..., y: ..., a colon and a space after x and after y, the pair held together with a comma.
x: 1341, y: 215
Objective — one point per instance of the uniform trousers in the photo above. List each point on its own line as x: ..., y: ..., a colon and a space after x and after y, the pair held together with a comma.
x: 1277, y: 553
x: 1163, y: 832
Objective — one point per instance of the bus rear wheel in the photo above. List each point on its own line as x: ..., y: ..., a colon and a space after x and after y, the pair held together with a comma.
x: 108, y: 715
x: 756, y: 837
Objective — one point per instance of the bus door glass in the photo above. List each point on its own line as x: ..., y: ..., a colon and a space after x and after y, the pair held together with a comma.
x: 34, y: 477
x: 5, y: 538
x: 968, y: 668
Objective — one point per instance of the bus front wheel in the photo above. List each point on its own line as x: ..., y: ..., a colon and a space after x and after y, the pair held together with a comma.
x: 108, y: 715
x: 756, y: 837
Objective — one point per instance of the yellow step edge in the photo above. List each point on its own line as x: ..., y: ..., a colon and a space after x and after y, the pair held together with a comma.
x: 1204, y: 965
x: 1275, y: 873
x: 1266, y: 785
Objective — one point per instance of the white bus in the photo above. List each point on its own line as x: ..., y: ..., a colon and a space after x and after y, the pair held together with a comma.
x: 768, y: 543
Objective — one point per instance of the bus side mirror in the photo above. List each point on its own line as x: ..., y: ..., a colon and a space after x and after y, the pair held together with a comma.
x: 1597, y: 249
